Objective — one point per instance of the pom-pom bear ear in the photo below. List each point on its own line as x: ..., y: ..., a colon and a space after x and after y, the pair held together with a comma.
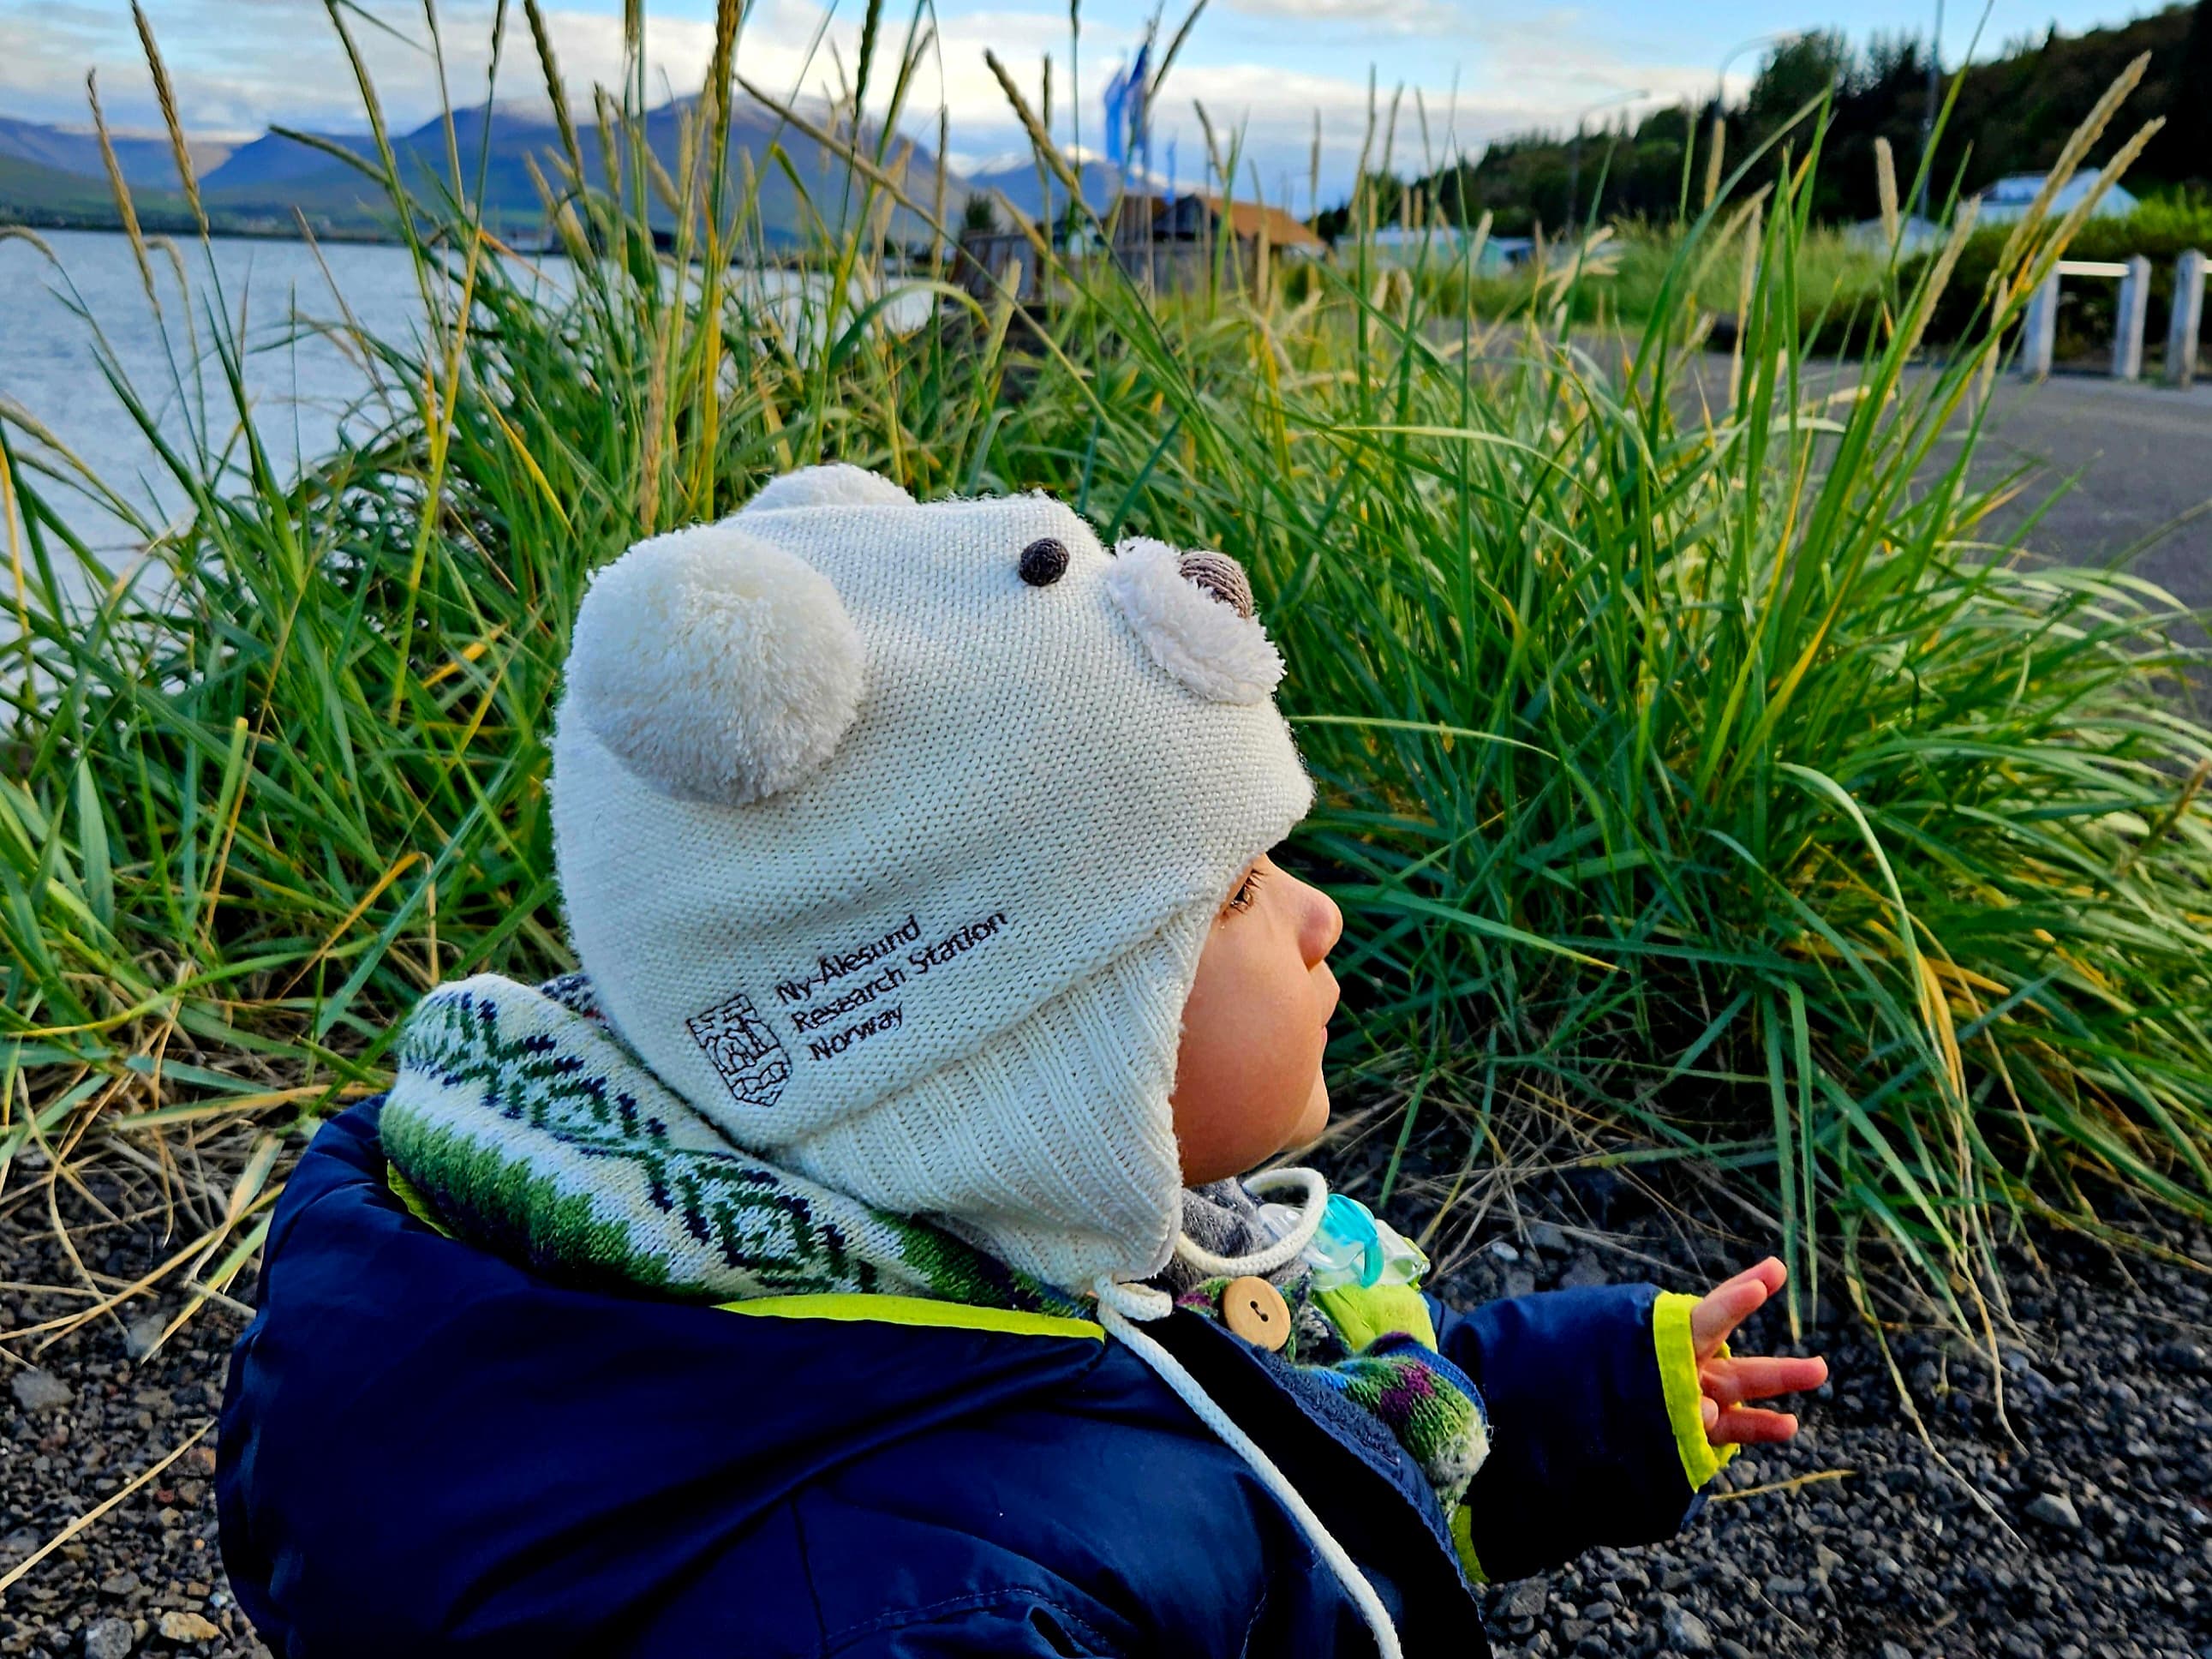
x: 1194, y: 612
x: 834, y: 485
x: 714, y: 664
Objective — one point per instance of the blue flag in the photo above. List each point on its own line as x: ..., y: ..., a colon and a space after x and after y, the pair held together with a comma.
x: 1117, y: 114
x: 1134, y: 95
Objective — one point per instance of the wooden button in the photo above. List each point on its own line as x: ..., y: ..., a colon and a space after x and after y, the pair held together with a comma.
x: 1255, y: 1310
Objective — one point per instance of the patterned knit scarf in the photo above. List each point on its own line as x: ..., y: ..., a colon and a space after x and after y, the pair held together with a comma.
x: 524, y: 1125
x: 1395, y: 1380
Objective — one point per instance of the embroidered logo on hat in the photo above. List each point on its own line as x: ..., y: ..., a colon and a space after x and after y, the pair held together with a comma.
x: 743, y: 1049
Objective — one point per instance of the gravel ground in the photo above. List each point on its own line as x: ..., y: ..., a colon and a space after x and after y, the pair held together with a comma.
x: 2096, y: 1539
x: 2087, y: 1537
x: 85, y: 1418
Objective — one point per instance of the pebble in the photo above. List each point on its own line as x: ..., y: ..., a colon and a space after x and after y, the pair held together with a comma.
x: 108, y: 1638
x: 120, y: 1584
x: 140, y: 1336
x: 1892, y: 1651
x: 1546, y: 1235
x: 1522, y: 1600
x: 2055, y: 1508
x: 39, y: 1391
x: 1825, y: 1561
x: 1686, y: 1632
x: 188, y: 1627
x: 2186, y: 1357
x: 1585, y: 1272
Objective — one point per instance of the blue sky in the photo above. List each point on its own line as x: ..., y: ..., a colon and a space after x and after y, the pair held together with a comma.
x: 1265, y: 66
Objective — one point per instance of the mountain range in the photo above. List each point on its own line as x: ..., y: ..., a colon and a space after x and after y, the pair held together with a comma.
x: 54, y: 176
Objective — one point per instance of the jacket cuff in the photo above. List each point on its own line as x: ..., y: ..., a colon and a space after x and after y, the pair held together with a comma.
x: 1685, y: 1395
x: 1462, y: 1537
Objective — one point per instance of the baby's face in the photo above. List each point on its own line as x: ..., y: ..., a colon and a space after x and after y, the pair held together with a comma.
x: 1247, y: 1075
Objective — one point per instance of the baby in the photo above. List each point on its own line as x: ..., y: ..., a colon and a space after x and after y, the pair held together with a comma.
x: 861, y: 1256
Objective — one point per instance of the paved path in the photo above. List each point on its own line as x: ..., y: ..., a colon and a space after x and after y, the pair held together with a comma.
x: 2141, y: 457
x: 2130, y: 463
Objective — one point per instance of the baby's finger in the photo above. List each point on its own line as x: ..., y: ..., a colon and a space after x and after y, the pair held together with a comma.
x: 1728, y: 1305
x: 1720, y: 1311
x: 1750, y: 1425
x: 1759, y: 1377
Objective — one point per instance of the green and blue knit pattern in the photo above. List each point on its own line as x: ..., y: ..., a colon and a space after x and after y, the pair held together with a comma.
x: 532, y: 1131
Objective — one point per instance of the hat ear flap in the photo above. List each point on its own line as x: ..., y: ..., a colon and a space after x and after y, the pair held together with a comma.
x: 715, y: 665
x: 835, y: 484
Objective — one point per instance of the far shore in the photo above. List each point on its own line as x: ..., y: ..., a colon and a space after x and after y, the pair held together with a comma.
x: 164, y: 224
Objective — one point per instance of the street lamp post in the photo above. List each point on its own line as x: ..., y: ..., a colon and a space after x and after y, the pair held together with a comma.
x: 1775, y: 37
x: 1928, y: 119
x: 1574, y: 166
x: 1715, y: 127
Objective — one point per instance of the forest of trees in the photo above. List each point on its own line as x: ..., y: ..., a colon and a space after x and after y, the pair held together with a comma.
x: 2014, y: 113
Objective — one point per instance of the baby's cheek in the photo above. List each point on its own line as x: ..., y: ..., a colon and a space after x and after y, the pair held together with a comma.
x: 1291, y: 1097
x: 1315, y: 1119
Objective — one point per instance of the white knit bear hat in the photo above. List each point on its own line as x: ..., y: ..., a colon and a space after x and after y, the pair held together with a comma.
x: 890, y: 835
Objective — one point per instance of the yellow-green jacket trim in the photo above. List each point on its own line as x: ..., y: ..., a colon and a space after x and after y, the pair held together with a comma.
x: 1684, y: 1394
x: 855, y: 1306
x: 1462, y: 1537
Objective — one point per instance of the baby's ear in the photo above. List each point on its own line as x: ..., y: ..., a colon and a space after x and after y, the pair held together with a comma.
x: 714, y: 664
x: 834, y: 485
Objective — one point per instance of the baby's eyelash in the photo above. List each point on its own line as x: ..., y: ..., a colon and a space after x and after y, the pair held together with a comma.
x: 1247, y: 890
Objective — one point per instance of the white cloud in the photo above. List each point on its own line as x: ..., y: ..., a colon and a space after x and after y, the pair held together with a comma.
x: 237, y: 74
x: 281, y: 61
x: 240, y: 64
x: 1392, y: 17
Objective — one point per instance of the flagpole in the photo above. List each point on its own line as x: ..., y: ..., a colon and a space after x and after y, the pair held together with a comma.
x: 1143, y: 118
x: 1117, y: 131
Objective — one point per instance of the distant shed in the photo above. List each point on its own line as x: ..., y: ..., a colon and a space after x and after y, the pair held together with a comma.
x: 2009, y: 199
x: 1202, y: 218
x: 1170, y: 245
x: 1914, y: 234
x: 1442, y: 247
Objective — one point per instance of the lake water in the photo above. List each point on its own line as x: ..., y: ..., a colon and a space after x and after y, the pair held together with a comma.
x: 305, y: 391
x: 304, y: 388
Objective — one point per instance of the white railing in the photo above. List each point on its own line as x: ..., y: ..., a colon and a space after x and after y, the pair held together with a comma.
x: 2188, y: 318
x: 2040, y: 335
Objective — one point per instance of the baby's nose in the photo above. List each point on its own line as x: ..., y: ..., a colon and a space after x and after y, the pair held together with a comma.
x: 1324, y: 925
x: 1219, y: 575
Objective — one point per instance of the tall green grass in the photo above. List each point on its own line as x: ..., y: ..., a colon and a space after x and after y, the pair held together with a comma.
x: 1621, y: 277
x: 1688, y: 747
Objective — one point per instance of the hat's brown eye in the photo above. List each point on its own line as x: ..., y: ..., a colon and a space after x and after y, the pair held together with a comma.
x: 1044, y: 562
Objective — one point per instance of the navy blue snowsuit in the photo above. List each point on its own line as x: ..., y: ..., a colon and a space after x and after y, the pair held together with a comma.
x: 427, y: 1451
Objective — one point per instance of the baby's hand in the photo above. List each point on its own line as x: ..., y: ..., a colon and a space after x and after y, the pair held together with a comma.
x: 1728, y: 1383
